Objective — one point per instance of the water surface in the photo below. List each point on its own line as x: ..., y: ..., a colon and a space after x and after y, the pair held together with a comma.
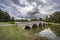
x: 51, y: 33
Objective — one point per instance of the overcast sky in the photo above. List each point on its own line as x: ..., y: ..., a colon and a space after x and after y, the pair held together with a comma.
x: 27, y: 8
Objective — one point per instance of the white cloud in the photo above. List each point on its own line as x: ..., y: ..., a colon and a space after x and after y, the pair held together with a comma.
x: 26, y: 9
x: 44, y: 1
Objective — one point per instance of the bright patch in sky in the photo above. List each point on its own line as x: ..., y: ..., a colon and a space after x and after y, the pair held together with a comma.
x: 44, y: 1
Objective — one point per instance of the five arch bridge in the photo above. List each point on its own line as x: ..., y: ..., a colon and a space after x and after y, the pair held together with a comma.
x: 31, y: 23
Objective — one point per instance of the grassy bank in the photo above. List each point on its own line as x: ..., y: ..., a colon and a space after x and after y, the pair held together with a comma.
x: 13, y: 33
x: 55, y: 29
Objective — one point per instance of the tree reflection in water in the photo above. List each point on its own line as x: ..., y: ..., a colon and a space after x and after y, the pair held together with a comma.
x: 51, y: 33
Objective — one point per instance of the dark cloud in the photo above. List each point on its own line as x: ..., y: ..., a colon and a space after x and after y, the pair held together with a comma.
x: 36, y: 1
x: 6, y: 2
x: 1, y: 6
x: 16, y: 2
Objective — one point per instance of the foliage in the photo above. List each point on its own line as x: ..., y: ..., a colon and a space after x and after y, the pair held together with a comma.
x: 12, y: 20
x: 21, y: 20
x: 40, y: 19
x: 47, y: 19
x: 55, y: 17
x: 4, y: 16
x: 34, y: 19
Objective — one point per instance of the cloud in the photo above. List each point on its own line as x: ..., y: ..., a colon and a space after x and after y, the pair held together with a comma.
x: 27, y: 8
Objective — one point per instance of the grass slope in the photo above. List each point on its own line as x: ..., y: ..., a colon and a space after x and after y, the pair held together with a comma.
x: 13, y: 33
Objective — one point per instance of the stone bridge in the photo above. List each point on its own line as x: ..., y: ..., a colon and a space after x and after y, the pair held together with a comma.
x: 31, y: 23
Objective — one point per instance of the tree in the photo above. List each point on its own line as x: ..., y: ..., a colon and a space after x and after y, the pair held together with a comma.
x: 40, y: 19
x: 4, y: 16
x: 12, y: 20
x: 47, y: 19
x: 7, y: 17
x: 55, y: 17
x: 34, y: 19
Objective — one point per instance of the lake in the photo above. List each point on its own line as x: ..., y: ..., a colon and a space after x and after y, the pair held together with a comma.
x: 51, y: 33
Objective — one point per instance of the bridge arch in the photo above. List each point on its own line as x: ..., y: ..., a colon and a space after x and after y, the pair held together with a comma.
x: 40, y: 25
x: 34, y: 26
x: 44, y: 25
x: 27, y: 27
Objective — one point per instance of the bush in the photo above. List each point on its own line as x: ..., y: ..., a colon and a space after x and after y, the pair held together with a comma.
x: 12, y: 20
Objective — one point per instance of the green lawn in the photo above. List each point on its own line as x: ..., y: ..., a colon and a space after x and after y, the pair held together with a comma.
x: 13, y: 33
x: 6, y: 22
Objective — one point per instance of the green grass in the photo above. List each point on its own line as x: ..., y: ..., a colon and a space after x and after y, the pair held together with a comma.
x: 6, y: 22
x: 13, y: 33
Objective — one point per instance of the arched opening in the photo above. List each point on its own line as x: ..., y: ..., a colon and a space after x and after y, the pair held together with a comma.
x: 43, y: 24
x: 27, y: 28
x: 46, y: 24
x: 34, y: 27
x: 40, y: 25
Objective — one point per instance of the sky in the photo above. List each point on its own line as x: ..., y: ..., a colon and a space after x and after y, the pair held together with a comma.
x: 29, y: 8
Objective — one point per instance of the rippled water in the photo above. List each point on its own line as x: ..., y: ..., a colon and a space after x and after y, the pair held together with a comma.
x: 51, y: 33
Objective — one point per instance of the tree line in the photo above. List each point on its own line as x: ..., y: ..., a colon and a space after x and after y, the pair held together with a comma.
x: 25, y: 20
x: 55, y: 17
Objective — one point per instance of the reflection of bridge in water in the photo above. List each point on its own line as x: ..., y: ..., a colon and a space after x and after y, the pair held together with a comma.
x: 30, y: 24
